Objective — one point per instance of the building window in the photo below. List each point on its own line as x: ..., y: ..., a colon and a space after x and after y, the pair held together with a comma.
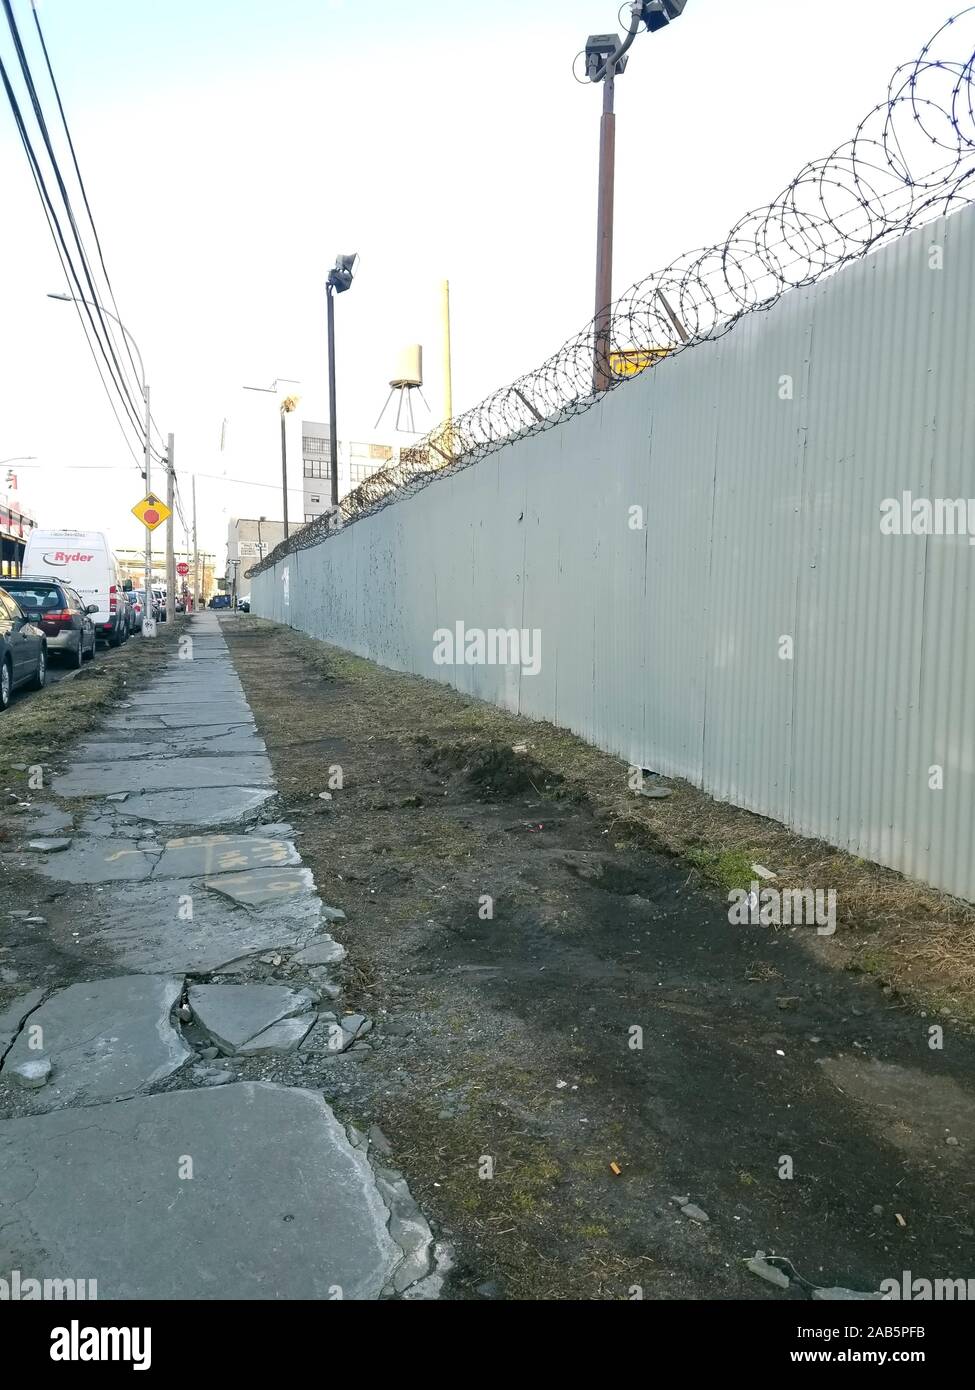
x: 311, y: 516
x: 314, y: 444
x: 359, y: 472
x: 317, y: 468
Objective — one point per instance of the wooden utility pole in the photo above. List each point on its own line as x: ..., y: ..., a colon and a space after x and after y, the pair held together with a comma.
x: 170, y: 527
x: 196, y: 554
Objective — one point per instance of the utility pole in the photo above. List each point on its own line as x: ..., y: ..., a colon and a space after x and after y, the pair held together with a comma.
x: 148, y: 580
x: 196, y: 554
x: 170, y: 556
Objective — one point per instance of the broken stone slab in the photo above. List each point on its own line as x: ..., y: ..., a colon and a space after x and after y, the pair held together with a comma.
x: 232, y: 1015
x: 379, y: 1142
x: 125, y: 1211
x: 408, y: 1228
x: 185, y: 710
x: 210, y: 1076
x: 259, y: 888
x: 221, y: 854
x: 355, y: 1026
x: 107, y: 1039
x: 769, y: 1272
x: 49, y: 821
x: 13, y: 1016
x: 49, y: 846
x: 332, y: 914
x: 326, y: 952
x: 174, y: 744
x: 327, y: 1037
x: 694, y: 1212
x: 203, y: 806
x: 164, y: 774
x: 100, y: 861
x: 285, y: 1036
x: 33, y: 1073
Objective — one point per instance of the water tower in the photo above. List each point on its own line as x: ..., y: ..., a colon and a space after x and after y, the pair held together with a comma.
x: 407, y: 378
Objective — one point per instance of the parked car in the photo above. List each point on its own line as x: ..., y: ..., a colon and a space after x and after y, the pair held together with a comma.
x: 84, y: 560
x: 244, y: 604
x: 60, y: 613
x: 137, y: 602
x: 159, y: 604
x: 23, y: 650
x: 220, y: 601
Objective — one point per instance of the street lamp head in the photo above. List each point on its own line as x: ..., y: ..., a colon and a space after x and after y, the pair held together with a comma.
x: 657, y: 14
x: 340, y: 276
x: 65, y: 297
x: 599, y: 47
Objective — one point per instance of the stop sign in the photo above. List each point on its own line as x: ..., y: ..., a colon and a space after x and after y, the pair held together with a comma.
x: 182, y: 568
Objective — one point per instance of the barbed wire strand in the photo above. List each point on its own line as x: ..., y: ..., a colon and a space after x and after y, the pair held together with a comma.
x: 911, y: 160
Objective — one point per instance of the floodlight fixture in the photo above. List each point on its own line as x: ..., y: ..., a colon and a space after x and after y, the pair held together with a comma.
x: 600, y: 48
x: 340, y: 276
x: 657, y: 14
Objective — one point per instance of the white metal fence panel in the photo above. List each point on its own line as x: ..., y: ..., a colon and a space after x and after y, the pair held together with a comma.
x: 701, y: 556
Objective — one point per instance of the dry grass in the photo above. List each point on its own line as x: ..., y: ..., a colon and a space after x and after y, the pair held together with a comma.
x: 914, y: 939
x: 45, y: 722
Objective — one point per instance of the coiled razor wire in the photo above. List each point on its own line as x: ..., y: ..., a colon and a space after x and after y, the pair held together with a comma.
x: 912, y: 159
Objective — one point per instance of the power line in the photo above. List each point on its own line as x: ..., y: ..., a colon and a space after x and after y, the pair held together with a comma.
x: 58, y: 237
x: 81, y: 182
x: 116, y: 374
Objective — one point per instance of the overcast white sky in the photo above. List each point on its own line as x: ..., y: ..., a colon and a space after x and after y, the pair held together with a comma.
x: 232, y: 147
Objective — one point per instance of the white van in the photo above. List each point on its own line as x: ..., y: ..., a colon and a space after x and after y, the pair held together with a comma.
x: 83, y: 560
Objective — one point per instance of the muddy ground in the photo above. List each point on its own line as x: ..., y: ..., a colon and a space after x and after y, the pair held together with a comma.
x: 543, y: 1141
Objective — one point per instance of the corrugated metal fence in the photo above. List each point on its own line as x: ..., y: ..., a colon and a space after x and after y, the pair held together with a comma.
x: 758, y: 635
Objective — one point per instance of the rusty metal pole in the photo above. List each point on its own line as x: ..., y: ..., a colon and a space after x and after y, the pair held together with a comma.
x: 602, y: 375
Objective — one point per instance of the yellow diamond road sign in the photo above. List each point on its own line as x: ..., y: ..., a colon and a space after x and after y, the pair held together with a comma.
x: 152, y: 512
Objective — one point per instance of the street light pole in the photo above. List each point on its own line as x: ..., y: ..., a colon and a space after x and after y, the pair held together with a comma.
x: 284, y: 468
x: 339, y: 280
x: 287, y: 405
x: 604, y: 233
x: 606, y: 59
x: 333, y: 431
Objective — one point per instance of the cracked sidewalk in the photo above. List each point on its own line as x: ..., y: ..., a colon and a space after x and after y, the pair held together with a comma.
x: 191, y: 1175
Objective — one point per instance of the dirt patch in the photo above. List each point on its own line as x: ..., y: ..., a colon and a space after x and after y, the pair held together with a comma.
x: 569, y: 1035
